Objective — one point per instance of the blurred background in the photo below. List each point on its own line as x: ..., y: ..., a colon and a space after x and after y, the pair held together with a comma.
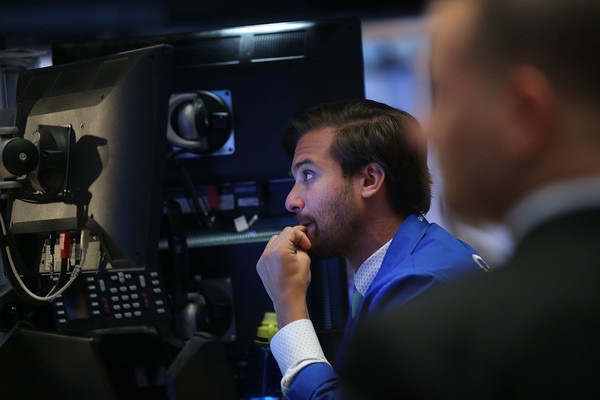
x: 395, y: 51
x: 394, y: 41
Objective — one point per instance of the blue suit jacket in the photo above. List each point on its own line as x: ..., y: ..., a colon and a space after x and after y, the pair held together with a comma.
x: 421, y: 255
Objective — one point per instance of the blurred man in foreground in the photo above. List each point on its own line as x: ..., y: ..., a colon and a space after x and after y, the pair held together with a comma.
x: 516, y: 122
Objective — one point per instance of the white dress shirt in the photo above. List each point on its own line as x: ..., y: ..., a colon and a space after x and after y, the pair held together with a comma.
x: 296, y: 345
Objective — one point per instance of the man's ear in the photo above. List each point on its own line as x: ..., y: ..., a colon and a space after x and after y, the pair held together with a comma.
x: 534, y: 110
x: 371, y: 178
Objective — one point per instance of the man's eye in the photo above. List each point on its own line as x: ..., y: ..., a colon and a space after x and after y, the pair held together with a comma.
x: 307, y: 175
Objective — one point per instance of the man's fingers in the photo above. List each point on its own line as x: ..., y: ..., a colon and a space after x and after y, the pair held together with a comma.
x: 291, y: 238
x: 301, y: 240
x: 284, y: 268
x: 303, y: 228
x: 297, y: 236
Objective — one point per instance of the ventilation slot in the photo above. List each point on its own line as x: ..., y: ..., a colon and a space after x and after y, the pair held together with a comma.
x: 279, y: 46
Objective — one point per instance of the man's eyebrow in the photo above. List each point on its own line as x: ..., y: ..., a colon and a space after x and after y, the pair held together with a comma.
x: 301, y: 163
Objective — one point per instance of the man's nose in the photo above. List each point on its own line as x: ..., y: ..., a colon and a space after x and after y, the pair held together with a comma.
x: 293, y: 202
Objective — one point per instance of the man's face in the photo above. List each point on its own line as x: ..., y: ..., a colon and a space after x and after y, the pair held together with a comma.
x: 468, y: 117
x: 322, y: 198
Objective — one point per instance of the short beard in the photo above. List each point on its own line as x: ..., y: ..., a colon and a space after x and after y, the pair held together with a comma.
x: 337, y: 228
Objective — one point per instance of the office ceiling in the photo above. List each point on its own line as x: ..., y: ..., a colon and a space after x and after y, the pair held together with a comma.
x: 38, y: 23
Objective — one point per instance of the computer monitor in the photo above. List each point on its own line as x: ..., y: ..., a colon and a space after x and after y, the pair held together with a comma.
x: 108, y: 117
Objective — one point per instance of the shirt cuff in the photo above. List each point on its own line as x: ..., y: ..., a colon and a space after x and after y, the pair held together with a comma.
x: 294, y: 347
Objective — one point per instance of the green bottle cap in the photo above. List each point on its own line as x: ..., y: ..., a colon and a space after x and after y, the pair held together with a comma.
x: 267, y: 329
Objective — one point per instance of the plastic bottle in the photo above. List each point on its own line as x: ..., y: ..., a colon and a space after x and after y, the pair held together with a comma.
x: 264, y: 375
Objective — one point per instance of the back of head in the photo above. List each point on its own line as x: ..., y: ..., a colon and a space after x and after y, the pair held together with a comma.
x: 560, y: 37
x: 516, y: 100
x: 372, y: 132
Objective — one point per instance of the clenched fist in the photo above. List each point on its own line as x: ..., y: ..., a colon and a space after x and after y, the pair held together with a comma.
x: 284, y: 268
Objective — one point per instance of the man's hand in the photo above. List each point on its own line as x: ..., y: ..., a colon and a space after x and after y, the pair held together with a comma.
x: 284, y: 268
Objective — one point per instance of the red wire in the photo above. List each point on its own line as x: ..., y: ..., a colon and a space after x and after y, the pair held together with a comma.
x: 65, y: 245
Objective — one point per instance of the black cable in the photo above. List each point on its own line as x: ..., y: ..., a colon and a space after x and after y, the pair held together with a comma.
x: 199, y: 207
x: 62, y: 277
x: 179, y: 254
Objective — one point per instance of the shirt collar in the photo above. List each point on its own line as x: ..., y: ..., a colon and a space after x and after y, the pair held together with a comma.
x: 368, y: 269
x: 552, y: 201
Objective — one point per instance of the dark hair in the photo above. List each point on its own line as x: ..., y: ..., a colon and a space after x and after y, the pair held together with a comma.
x: 560, y: 37
x: 368, y: 131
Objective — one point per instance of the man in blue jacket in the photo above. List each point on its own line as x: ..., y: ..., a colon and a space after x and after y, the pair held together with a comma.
x: 361, y: 188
